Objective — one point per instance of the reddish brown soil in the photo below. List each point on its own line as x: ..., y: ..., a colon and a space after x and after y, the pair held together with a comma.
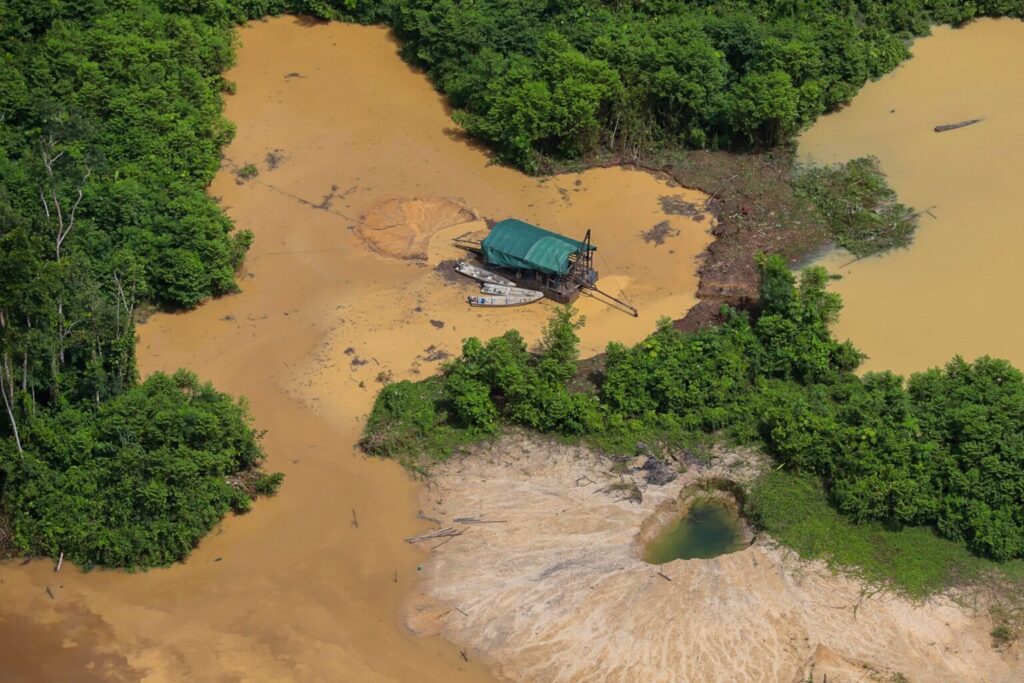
x: 755, y: 211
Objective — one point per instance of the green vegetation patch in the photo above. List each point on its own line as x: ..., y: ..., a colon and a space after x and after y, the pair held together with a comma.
x: 136, y: 481
x: 860, y: 209
x: 538, y: 79
x: 796, y: 510
x: 410, y: 423
x: 942, y: 450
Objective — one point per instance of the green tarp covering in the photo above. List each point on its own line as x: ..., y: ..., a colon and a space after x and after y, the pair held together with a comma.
x: 515, y: 244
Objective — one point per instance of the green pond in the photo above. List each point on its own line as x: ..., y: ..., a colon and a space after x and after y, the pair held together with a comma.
x: 708, y: 529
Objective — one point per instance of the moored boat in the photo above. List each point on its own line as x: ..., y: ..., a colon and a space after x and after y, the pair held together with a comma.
x: 505, y: 299
x: 486, y: 276
x: 505, y: 290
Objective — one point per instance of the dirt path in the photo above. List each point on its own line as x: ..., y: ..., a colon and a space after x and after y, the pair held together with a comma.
x: 342, y: 133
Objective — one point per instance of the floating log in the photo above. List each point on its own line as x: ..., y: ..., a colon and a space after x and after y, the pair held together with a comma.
x: 953, y: 126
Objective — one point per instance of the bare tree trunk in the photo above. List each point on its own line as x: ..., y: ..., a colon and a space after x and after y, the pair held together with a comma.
x: 62, y: 222
x: 7, y: 390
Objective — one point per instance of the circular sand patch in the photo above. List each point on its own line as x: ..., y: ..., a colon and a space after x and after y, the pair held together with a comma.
x: 402, y: 227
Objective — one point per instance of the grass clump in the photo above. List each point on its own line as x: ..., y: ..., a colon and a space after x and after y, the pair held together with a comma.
x: 247, y: 172
x: 795, y: 509
x: 860, y: 209
x: 1002, y: 636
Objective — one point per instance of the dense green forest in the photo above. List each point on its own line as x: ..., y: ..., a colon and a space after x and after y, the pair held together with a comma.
x: 563, y: 78
x: 945, y: 448
x: 110, y: 131
x: 111, y: 128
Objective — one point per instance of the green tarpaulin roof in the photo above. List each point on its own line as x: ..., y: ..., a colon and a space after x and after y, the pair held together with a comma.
x: 515, y: 244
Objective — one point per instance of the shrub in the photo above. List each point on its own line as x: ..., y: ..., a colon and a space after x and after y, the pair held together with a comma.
x: 135, y: 482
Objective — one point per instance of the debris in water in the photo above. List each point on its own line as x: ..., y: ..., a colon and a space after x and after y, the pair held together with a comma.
x: 659, y: 233
x: 440, y: 533
x: 954, y: 126
x: 434, y: 354
x: 676, y: 205
x: 274, y: 158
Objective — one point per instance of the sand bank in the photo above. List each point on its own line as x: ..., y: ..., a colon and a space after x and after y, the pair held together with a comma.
x: 558, y: 591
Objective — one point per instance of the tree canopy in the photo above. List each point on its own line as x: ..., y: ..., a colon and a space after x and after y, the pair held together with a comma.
x: 110, y: 132
x: 562, y: 78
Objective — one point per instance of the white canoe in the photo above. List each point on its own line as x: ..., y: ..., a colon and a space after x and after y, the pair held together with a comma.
x: 505, y: 299
x: 477, y: 273
x: 504, y: 290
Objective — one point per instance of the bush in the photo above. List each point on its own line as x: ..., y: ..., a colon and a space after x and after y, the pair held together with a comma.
x: 796, y: 511
x: 135, y: 482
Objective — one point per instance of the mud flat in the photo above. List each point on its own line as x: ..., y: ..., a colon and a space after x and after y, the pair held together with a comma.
x: 956, y: 290
x: 556, y: 590
x: 352, y: 147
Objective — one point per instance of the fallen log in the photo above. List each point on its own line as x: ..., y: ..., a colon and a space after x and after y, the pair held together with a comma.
x: 953, y: 126
x: 477, y: 520
x: 441, y: 533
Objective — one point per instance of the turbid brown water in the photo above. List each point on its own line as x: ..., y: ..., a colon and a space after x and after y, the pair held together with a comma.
x: 958, y: 288
x: 296, y: 590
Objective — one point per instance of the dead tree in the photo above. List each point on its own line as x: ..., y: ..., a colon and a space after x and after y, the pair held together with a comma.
x: 7, y: 385
x: 60, y: 215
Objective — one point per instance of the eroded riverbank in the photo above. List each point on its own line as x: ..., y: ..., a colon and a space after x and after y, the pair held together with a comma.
x: 304, y: 587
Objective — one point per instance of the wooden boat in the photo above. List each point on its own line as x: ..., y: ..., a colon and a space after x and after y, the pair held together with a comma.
x: 477, y: 273
x: 505, y: 299
x: 954, y: 126
x: 505, y: 290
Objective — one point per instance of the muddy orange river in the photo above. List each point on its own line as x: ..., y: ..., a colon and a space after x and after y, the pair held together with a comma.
x: 957, y: 289
x: 364, y: 167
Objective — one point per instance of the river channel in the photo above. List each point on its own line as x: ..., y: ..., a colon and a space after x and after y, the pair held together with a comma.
x: 957, y: 289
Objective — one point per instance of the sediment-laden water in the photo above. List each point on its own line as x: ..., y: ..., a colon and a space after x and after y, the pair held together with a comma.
x: 349, y: 141
x: 957, y: 289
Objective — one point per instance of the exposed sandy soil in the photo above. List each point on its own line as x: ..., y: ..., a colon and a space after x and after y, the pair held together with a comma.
x: 403, y: 228
x: 558, y: 593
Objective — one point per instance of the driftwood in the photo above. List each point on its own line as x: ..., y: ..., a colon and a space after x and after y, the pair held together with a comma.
x: 953, y: 126
x: 441, y: 533
x: 60, y: 563
x: 477, y: 520
x: 667, y: 578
